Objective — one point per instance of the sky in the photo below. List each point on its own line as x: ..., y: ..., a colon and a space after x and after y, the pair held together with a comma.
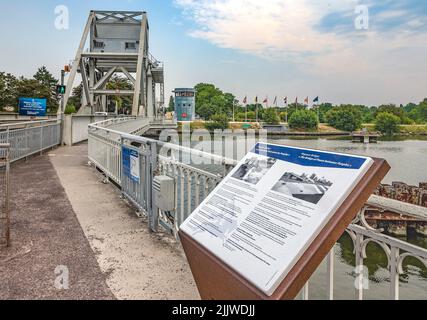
x: 344, y: 51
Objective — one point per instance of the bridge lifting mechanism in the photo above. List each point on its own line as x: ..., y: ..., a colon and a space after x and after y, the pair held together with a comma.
x: 118, y: 44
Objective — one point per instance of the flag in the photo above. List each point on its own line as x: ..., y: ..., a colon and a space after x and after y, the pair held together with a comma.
x: 256, y: 99
x: 245, y: 99
x: 275, y: 101
x: 286, y: 100
x: 265, y: 100
x: 306, y: 100
x: 316, y: 99
x: 296, y: 100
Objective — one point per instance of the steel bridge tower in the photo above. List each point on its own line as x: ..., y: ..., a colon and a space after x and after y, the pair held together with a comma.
x: 116, y: 42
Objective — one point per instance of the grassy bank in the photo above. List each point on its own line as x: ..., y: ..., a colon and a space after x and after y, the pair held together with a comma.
x: 323, y: 128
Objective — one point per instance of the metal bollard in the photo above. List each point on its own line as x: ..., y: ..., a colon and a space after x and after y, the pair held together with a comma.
x: 4, y: 209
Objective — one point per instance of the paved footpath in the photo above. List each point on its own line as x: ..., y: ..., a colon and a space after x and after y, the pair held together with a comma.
x: 63, y: 214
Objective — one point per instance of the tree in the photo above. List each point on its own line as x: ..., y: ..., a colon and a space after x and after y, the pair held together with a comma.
x: 119, y: 83
x: 211, y: 100
x: 47, y: 80
x: 345, y: 117
x: 8, y: 90
x: 76, y: 97
x: 387, y: 122
x: 397, y: 111
x: 270, y: 116
x: 303, y: 119
x: 30, y: 88
x: 171, y: 106
x: 419, y: 112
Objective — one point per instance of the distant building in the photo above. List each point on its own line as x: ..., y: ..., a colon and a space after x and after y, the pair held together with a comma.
x: 185, y: 104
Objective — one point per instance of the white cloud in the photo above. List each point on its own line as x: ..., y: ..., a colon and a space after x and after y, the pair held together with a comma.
x: 287, y: 30
x: 284, y: 29
x: 268, y: 28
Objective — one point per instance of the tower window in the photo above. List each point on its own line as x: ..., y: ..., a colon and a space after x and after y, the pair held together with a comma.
x: 130, y: 45
x: 98, y: 44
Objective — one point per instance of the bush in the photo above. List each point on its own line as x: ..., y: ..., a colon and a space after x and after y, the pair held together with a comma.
x: 303, y: 119
x: 283, y: 115
x: 344, y: 118
x: 387, y: 123
x: 270, y: 116
x: 218, y: 121
x: 70, y: 109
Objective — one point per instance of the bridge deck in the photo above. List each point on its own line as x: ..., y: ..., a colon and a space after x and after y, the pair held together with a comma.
x: 62, y: 214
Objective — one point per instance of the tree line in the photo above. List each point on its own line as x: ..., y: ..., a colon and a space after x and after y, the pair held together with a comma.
x: 214, y: 105
x: 43, y: 85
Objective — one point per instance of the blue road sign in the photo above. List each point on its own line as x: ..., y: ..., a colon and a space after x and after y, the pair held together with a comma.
x: 32, y: 107
x: 130, y: 159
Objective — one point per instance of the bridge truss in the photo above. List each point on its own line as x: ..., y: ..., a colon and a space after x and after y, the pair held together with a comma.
x: 116, y: 43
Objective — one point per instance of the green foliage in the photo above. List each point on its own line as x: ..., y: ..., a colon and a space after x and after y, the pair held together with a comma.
x: 387, y: 122
x: 171, y: 105
x: 345, y: 117
x: 211, y: 100
x: 218, y: 121
x: 124, y: 103
x: 76, y: 96
x: 48, y: 82
x: 70, y: 109
x: 270, y: 116
x: 8, y: 90
x: 419, y: 112
x: 303, y: 119
x: 397, y: 111
x: 323, y: 110
x: 283, y: 115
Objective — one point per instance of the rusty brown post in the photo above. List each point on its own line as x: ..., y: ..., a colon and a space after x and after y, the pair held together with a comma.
x: 5, y: 209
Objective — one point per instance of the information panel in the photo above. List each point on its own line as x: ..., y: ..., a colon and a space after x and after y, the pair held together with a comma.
x: 32, y: 107
x: 265, y: 214
x: 130, y: 159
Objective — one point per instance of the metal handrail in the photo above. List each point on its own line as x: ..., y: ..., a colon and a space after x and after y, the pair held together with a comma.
x: 5, y: 208
x: 27, y: 123
x: 168, y: 145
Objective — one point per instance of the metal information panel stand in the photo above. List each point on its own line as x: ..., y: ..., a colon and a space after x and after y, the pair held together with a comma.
x: 259, y: 254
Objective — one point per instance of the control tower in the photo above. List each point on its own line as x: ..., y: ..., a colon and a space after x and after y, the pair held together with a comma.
x: 116, y: 42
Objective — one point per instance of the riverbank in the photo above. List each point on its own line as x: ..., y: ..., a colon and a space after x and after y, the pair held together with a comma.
x: 323, y: 129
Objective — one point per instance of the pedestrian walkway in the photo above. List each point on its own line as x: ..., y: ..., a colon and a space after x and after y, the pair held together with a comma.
x: 46, y: 236
x: 58, y: 195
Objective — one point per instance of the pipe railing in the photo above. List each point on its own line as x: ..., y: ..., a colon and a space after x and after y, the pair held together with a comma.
x: 28, y: 138
x: 5, y: 199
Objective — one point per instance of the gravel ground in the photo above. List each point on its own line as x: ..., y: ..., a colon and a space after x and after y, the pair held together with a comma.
x: 45, y: 233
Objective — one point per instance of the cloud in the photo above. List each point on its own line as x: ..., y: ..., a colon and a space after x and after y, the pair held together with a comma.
x: 315, y: 34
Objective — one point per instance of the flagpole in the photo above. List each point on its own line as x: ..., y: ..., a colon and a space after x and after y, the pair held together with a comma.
x: 246, y: 109
x: 287, y: 109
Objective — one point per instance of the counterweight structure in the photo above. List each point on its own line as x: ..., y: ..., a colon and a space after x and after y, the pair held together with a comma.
x: 118, y: 44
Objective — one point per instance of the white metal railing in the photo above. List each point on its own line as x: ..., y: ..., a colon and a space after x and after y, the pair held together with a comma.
x: 28, y: 138
x: 5, y: 191
x: 194, y: 184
